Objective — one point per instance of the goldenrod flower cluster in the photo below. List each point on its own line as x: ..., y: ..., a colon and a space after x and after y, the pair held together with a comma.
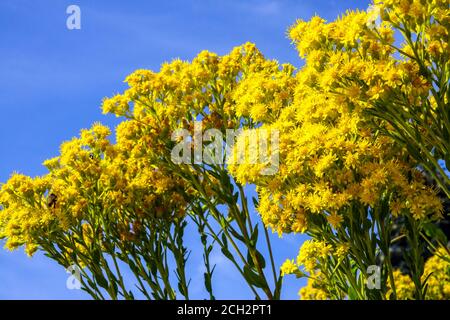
x: 90, y: 180
x: 314, y: 289
x: 312, y: 253
x: 206, y: 87
x: 436, y: 275
x: 331, y: 152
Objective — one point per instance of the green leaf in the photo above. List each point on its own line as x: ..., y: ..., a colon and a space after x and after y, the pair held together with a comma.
x: 236, y: 197
x: 96, y: 257
x: 208, y: 285
x: 224, y: 240
x: 254, y: 236
x: 253, y: 278
x: 236, y: 234
x: 259, y: 256
x: 261, y: 260
x: 223, y: 222
x: 91, y: 283
x: 277, y: 292
x: 181, y: 289
x: 227, y: 253
x: 255, y: 202
x: 114, y: 287
x: 352, y: 294
x: 101, y: 280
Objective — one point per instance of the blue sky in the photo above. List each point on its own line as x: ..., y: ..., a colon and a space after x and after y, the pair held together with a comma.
x: 53, y: 79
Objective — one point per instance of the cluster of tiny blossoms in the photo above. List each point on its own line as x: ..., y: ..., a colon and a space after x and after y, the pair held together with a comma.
x: 331, y: 152
x: 91, y: 174
x: 312, y: 256
x: 206, y: 88
x: 436, y: 274
x: 312, y: 253
x: 314, y: 289
x: 241, y: 90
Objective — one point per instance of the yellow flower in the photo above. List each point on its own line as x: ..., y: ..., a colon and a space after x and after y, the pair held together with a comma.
x: 335, y: 220
x: 288, y: 267
x: 315, y: 289
x: 311, y: 252
x: 342, y: 250
x: 436, y: 274
x: 403, y: 285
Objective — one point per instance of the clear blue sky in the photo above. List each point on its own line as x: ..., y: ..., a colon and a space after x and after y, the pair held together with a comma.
x: 52, y: 81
